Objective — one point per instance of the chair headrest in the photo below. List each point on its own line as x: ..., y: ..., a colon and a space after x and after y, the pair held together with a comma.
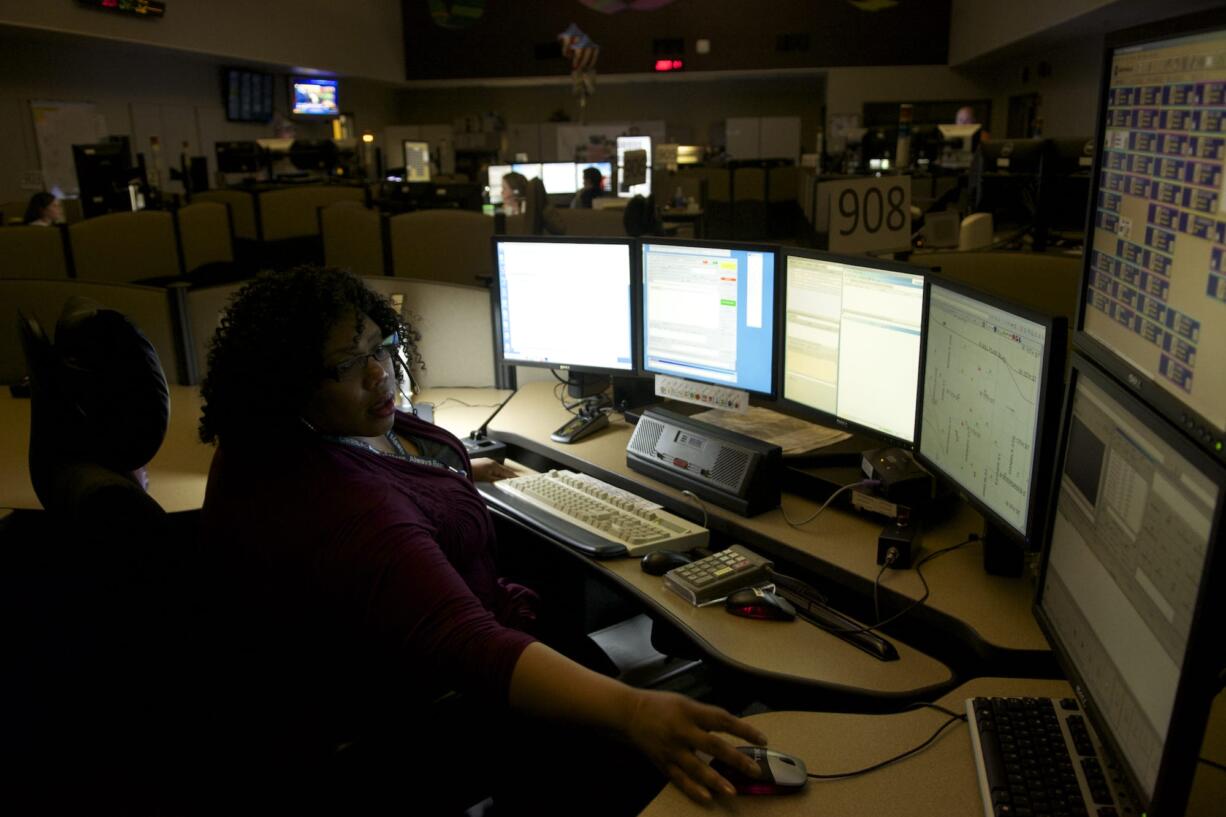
x: 110, y: 374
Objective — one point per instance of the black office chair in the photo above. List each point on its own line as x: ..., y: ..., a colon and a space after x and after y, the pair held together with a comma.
x: 107, y: 711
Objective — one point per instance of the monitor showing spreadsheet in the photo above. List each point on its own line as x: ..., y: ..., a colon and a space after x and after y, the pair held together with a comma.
x: 851, y: 340
x: 709, y: 312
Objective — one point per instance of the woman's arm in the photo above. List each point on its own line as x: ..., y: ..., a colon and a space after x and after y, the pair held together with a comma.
x: 667, y: 727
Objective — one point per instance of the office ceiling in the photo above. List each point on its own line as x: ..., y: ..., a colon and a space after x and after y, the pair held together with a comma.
x: 467, y: 39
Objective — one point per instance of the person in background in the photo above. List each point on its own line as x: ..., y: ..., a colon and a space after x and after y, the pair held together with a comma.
x: 514, y: 193
x: 593, y: 186
x: 363, y: 561
x: 43, y: 210
x: 966, y: 116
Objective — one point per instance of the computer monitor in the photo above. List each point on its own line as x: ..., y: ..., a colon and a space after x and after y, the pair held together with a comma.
x: 625, y: 144
x: 495, y: 174
x: 1130, y: 595
x: 1004, y: 180
x: 709, y: 312
x: 851, y: 341
x: 606, y: 174
x: 416, y: 161
x: 106, y: 176
x: 559, y: 177
x: 1154, y: 292
x: 565, y: 303
x: 239, y: 157
x: 958, y: 149
x: 990, y: 383
x: 529, y: 170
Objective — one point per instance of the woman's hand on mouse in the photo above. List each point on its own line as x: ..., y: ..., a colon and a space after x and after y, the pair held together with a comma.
x: 670, y: 728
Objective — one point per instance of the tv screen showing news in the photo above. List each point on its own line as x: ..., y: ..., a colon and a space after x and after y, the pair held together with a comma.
x: 314, y: 96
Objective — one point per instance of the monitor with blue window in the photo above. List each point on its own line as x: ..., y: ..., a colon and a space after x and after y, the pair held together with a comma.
x: 709, y: 313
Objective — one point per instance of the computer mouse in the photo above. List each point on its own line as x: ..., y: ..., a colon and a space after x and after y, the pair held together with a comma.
x: 780, y: 773
x: 659, y: 562
x: 757, y: 602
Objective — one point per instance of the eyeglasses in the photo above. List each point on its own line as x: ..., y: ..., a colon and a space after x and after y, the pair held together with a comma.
x: 352, y: 368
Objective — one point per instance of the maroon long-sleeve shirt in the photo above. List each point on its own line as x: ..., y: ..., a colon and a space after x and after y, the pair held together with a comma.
x: 368, y: 580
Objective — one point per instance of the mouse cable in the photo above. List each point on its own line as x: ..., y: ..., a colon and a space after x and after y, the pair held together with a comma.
x: 1212, y: 763
x: 701, y: 505
x: 954, y: 718
x: 974, y: 537
x: 864, y: 483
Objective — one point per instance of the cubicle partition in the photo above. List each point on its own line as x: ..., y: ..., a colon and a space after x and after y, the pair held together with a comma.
x: 125, y: 247
x: 34, y: 252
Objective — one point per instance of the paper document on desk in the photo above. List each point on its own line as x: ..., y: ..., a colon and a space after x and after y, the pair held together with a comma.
x: 793, y: 435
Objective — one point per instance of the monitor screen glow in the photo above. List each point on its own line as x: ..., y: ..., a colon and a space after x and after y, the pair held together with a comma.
x: 543, y: 322
x: 416, y: 161
x: 559, y: 177
x: 982, y: 409
x: 852, y: 341
x: 315, y: 96
x: 708, y: 314
x: 1156, y: 256
x: 495, y: 174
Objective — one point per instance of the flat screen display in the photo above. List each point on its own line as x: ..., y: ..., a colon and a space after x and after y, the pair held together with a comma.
x: 1156, y: 257
x: 709, y: 314
x: 543, y: 322
x: 852, y: 341
x: 314, y: 96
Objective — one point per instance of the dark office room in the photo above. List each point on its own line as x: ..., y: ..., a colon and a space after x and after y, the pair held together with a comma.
x: 613, y: 407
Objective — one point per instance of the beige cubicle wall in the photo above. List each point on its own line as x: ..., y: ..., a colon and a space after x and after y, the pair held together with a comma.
x: 32, y: 252
x: 353, y: 238
x: 1047, y: 282
x: 242, y: 210
x: 205, y: 235
x: 442, y: 245
x: 456, y: 326
x: 125, y: 247
x: 293, y: 212
x: 147, y: 307
x: 582, y: 222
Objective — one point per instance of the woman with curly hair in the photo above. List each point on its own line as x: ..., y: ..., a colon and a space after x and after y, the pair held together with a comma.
x: 364, y: 562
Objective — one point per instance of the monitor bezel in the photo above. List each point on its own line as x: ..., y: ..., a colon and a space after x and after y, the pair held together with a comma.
x: 1049, y: 402
x: 744, y: 246
x: 805, y: 411
x: 294, y: 79
x: 500, y: 359
x: 1197, y: 684
x: 1195, y: 425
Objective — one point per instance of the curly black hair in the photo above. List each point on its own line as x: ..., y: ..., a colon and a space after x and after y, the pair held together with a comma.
x: 266, y: 357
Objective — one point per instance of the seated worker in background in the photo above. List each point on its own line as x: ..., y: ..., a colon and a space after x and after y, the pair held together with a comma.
x: 364, y: 561
x: 966, y: 116
x: 43, y: 210
x: 514, y: 193
x: 593, y: 186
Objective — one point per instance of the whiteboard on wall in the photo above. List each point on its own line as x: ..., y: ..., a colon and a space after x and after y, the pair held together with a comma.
x: 57, y: 127
x: 598, y: 142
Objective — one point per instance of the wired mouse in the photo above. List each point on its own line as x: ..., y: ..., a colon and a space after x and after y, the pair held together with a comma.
x: 759, y: 603
x: 779, y: 773
x: 659, y: 562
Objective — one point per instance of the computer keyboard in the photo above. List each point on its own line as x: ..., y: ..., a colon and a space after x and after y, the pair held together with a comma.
x: 593, y: 516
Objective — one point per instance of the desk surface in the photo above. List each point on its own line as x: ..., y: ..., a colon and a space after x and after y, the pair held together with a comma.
x: 939, y: 781
x: 838, y: 545
x: 178, y: 472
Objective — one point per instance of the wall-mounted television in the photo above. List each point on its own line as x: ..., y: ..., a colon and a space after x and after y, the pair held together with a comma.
x: 314, y: 96
x: 247, y: 95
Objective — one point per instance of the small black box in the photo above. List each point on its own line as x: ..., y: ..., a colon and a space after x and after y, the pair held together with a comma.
x: 904, y: 537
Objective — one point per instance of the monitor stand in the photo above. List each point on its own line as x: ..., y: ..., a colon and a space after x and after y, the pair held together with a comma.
x: 1002, y: 555
x: 590, y: 390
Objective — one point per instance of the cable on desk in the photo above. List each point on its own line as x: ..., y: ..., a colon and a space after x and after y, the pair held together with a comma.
x: 701, y: 506
x: 447, y: 400
x: 864, y: 483
x: 954, y: 718
x: 1212, y: 763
